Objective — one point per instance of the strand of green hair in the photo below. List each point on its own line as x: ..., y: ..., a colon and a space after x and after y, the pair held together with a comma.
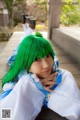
x: 18, y: 65
x: 25, y: 57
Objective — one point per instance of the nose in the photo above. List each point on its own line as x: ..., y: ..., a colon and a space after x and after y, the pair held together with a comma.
x: 45, y: 63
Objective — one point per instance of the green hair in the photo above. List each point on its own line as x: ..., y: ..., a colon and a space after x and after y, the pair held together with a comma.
x: 31, y: 48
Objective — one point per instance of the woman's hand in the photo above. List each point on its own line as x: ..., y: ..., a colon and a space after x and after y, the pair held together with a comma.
x: 49, y: 81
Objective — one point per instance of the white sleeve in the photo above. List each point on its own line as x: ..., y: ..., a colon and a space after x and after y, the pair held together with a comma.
x: 25, y: 100
x: 65, y: 100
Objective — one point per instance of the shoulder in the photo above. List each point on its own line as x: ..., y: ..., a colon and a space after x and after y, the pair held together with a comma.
x: 64, y: 71
x: 25, y: 78
x: 66, y: 74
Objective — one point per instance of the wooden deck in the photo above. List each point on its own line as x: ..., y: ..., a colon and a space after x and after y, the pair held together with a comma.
x: 65, y: 62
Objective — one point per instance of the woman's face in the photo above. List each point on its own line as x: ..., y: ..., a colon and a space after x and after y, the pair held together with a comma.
x: 42, y: 67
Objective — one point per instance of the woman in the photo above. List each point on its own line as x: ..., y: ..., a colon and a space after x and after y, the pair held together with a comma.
x: 38, y: 84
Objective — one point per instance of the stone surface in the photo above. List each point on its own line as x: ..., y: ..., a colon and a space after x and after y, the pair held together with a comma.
x: 68, y: 39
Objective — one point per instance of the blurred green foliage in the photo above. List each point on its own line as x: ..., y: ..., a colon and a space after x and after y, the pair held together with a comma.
x: 70, y: 12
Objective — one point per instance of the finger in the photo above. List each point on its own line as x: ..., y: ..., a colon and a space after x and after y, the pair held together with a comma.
x: 48, y: 89
x: 49, y: 86
x: 49, y: 77
x: 48, y: 80
x: 53, y: 74
x: 49, y: 83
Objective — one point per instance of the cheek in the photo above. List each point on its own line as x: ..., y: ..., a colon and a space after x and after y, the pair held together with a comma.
x: 35, y: 68
x: 51, y: 62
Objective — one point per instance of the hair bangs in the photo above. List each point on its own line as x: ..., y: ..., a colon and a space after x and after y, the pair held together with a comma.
x: 44, y: 48
x: 39, y: 49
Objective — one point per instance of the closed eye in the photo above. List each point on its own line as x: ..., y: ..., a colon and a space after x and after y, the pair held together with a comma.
x: 48, y: 55
x: 37, y: 59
